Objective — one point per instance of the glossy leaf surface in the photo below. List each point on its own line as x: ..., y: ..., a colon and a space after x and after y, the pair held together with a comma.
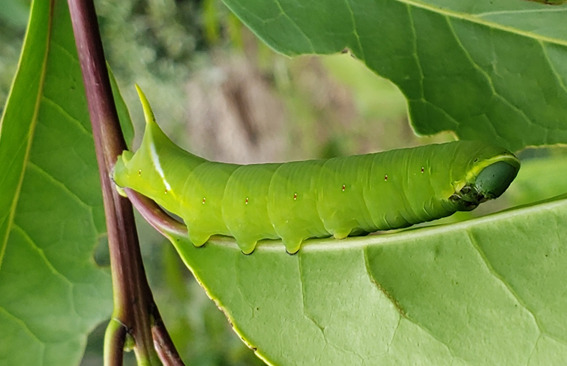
x: 488, y: 70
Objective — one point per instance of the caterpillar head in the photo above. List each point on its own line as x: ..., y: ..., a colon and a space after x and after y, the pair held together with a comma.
x: 486, y: 179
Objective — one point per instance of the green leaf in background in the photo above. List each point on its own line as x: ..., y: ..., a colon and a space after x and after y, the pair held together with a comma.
x: 490, y: 70
x: 539, y: 179
x: 52, y: 293
x: 487, y: 291
x: 14, y: 13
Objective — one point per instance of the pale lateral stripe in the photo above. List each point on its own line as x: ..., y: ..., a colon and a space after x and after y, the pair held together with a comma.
x: 157, y: 165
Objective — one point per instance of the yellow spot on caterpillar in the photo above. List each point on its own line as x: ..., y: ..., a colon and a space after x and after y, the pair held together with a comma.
x: 165, y: 191
x: 344, y: 187
x: 295, y: 196
x: 204, y: 199
x: 386, y: 178
x: 140, y: 172
x: 246, y: 201
x: 422, y: 169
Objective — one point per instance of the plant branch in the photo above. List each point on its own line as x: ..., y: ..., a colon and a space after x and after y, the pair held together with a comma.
x: 135, y: 312
x: 155, y: 216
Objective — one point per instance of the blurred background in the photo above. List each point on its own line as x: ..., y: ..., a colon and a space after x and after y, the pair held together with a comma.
x: 219, y: 92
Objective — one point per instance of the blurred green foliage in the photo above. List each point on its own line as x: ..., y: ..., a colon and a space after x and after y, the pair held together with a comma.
x: 13, y: 20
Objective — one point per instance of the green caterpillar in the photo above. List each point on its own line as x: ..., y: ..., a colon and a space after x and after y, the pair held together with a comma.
x: 316, y: 198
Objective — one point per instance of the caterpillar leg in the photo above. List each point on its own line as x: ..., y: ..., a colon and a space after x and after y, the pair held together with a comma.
x: 292, y: 245
x: 197, y: 238
x: 341, y: 233
x: 246, y: 245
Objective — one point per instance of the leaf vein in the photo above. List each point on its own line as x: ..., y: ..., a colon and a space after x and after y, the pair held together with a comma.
x: 552, y: 68
x: 475, y: 19
x: 355, y: 29
x: 60, y: 184
x: 62, y: 110
x: 415, y: 52
x: 474, y: 243
x: 302, y: 280
x: 22, y: 323
x: 42, y: 255
x: 523, y: 11
x: 295, y: 25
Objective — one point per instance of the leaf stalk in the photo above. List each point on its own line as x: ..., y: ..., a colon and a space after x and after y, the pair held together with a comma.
x: 135, y: 312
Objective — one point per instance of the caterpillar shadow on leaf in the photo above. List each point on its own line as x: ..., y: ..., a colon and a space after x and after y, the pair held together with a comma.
x: 294, y: 201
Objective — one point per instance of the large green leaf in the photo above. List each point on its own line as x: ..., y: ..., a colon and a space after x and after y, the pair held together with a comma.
x: 488, y: 291
x: 52, y: 293
x: 490, y: 69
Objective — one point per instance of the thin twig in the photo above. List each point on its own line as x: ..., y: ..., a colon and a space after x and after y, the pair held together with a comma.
x: 155, y: 216
x: 135, y: 312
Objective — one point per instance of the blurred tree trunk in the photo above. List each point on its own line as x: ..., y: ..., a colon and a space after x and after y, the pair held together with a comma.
x: 234, y: 115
